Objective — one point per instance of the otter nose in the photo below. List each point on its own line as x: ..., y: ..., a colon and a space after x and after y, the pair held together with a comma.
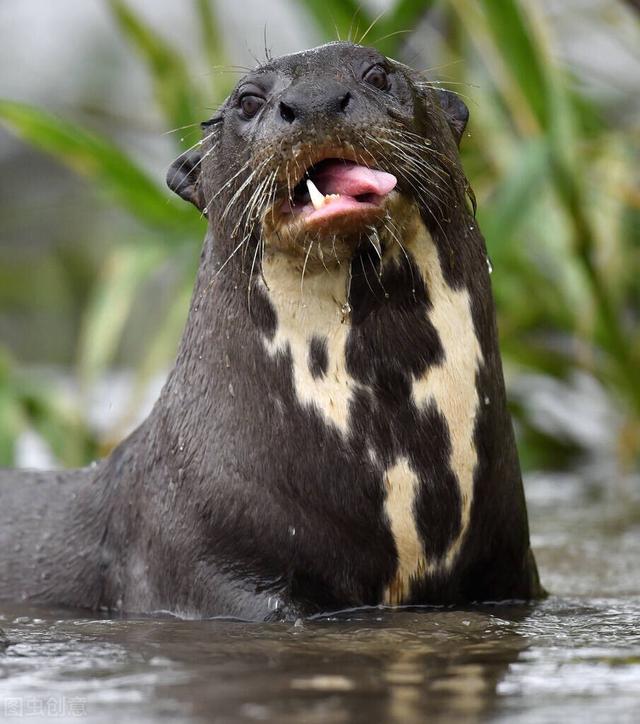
x: 303, y: 101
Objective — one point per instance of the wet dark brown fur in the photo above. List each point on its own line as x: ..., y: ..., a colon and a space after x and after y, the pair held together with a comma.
x: 234, y: 498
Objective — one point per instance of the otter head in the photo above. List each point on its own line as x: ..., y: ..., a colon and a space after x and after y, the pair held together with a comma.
x: 318, y: 153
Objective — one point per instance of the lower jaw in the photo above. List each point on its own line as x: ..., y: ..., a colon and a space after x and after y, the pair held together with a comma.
x: 320, y: 252
x: 353, y: 223
x: 336, y: 238
x: 316, y: 251
x: 330, y: 242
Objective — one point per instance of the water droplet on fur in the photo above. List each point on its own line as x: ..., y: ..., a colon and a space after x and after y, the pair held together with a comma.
x: 345, y: 308
x: 274, y: 603
x: 489, y: 266
x: 471, y: 228
x: 181, y: 448
x: 487, y: 400
x: 231, y: 392
x: 292, y: 530
x: 386, y: 295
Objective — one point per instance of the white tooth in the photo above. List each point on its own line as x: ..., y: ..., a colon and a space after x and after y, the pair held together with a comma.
x: 317, y: 198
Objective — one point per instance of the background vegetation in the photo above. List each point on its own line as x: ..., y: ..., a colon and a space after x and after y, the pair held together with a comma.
x: 554, y: 170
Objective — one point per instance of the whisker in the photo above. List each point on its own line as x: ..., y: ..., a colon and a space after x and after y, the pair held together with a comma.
x: 350, y: 36
x: 304, y: 267
x: 182, y: 128
x: 376, y: 246
x: 191, y: 148
x: 321, y: 255
x: 366, y: 278
x: 378, y: 276
x: 236, y: 196
x: 255, y: 254
x: 243, y: 168
x: 373, y: 22
x: 391, y: 35
x: 262, y: 245
x: 228, y: 259
x: 254, y: 212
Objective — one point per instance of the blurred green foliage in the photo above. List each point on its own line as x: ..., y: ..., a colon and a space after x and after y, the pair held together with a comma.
x: 553, y: 174
x: 27, y: 401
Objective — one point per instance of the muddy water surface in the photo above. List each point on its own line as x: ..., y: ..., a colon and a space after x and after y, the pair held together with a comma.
x: 573, y: 658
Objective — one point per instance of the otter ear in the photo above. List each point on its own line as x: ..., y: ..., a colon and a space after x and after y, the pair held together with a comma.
x: 456, y: 112
x: 183, y: 177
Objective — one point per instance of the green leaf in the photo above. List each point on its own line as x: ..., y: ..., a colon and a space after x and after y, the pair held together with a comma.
x: 161, y: 348
x: 57, y: 421
x: 173, y: 88
x: 520, y: 54
x: 105, y: 164
x: 111, y: 305
x: 213, y: 46
x: 11, y: 425
x: 11, y: 419
x: 27, y: 400
x: 516, y: 195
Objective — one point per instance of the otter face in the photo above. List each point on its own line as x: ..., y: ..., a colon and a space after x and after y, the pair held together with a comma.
x: 316, y: 153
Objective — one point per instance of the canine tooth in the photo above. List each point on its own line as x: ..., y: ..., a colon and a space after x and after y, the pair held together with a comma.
x: 317, y: 197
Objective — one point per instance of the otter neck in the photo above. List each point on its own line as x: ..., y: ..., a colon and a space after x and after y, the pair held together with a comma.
x: 394, y: 371
x: 312, y: 300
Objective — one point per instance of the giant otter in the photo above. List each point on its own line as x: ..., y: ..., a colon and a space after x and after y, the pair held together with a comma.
x: 334, y: 432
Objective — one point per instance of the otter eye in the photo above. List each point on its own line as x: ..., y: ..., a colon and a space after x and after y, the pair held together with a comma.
x: 377, y: 77
x: 250, y: 105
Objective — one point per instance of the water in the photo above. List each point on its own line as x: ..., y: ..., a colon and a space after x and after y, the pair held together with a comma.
x: 573, y: 658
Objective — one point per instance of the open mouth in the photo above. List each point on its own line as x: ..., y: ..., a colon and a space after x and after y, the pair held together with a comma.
x: 338, y: 189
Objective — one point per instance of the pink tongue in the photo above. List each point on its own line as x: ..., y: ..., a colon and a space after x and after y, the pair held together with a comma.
x: 349, y: 179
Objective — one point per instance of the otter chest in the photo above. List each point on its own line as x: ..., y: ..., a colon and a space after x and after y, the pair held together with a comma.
x: 420, y: 440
